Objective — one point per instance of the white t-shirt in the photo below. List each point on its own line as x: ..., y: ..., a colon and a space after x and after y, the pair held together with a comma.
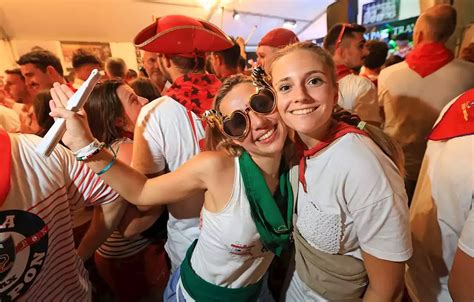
x: 412, y: 104
x: 359, y: 95
x: 466, y: 241
x: 441, y: 216
x: 9, y: 119
x: 164, y: 139
x: 356, y: 200
x: 36, y: 223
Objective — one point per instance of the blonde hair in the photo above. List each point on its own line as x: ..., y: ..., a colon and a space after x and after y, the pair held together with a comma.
x: 389, y: 146
x: 215, y: 140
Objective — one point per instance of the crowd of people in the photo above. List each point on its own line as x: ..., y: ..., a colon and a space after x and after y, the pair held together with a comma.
x: 320, y: 174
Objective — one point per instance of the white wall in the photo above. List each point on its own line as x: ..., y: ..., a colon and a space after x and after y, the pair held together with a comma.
x: 126, y: 51
x: 7, y: 59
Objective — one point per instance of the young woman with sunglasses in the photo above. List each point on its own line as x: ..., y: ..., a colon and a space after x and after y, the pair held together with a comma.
x: 351, y: 233
x: 246, y: 218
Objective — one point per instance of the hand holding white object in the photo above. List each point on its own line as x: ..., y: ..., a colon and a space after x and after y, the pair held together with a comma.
x: 64, y: 105
x: 68, y: 105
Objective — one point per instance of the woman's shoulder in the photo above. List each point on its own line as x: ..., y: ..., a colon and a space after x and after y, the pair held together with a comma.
x: 215, y: 161
x: 353, y: 146
x: 360, y: 151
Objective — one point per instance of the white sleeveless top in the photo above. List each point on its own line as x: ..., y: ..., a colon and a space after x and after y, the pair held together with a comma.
x: 229, y: 252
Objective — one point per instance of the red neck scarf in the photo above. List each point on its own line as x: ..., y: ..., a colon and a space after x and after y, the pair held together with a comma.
x: 195, y: 91
x: 338, y: 130
x: 426, y: 58
x: 458, y: 120
x: 5, y: 163
x: 342, y: 71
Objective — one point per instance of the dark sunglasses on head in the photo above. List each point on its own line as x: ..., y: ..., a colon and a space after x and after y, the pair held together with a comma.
x: 237, y: 124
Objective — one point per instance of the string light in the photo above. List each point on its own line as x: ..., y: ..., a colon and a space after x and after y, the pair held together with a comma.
x: 236, y: 16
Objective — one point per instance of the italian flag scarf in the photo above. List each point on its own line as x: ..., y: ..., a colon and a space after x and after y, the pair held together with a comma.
x: 272, y: 214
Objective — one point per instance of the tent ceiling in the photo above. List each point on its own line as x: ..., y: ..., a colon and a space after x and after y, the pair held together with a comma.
x: 120, y: 20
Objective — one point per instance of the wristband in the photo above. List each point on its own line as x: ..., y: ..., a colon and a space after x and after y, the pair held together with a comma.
x: 106, y: 168
x: 88, y: 151
x: 111, y: 163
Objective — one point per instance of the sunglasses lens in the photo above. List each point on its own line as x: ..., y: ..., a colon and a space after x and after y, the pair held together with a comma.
x: 263, y: 102
x: 235, y: 125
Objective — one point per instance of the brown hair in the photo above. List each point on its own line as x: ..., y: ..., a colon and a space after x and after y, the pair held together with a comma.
x: 390, y: 147
x: 330, y: 40
x: 145, y: 87
x: 41, y: 59
x: 187, y: 65
x: 41, y: 109
x: 103, y: 109
x: 116, y: 68
x: 215, y: 140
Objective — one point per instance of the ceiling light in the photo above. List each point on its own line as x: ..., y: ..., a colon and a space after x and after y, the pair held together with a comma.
x: 236, y: 16
x: 207, y: 4
x: 289, y: 24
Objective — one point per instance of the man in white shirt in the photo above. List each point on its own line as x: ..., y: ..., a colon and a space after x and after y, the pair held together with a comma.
x: 357, y: 94
x: 169, y: 130
x: 413, y: 92
x: 442, y: 213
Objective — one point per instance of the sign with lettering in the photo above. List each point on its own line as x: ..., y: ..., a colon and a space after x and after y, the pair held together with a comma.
x: 390, y: 30
x: 380, y: 11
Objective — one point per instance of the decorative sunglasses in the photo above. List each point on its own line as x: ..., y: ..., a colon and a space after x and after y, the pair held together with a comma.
x: 237, y: 124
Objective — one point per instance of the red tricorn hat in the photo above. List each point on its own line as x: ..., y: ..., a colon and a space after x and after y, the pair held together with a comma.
x: 183, y: 36
x: 279, y: 37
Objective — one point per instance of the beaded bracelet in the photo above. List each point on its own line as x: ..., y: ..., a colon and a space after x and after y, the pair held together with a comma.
x: 111, y: 163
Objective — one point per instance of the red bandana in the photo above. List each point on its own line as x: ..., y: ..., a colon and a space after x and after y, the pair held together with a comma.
x: 337, y: 131
x: 458, y: 120
x: 195, y: 91
x: 5, y: 163
x: 342, y: 71
x: 429, y: 57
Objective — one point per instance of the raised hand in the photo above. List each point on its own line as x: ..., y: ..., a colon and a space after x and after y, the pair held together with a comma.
x: 78, y: 133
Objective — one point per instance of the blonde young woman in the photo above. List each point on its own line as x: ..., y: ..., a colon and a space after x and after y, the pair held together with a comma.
x: 351, y: 233
x: 246, y: 217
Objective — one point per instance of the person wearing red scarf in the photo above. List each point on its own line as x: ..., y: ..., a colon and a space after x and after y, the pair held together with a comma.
x: 357, y: 94
x: 225, y: 62
x: 441, y: 215
x: 351, y: 229
x: 169, y: 129
x: 413, y: 92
